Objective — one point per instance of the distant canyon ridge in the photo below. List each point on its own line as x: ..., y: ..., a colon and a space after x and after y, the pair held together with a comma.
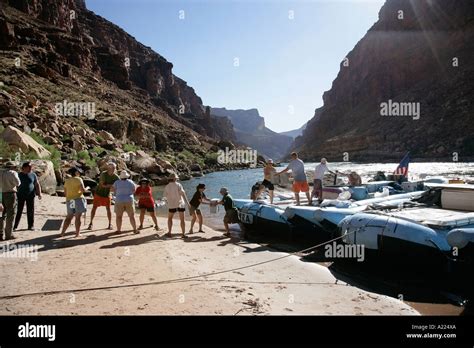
x: 250, y: 129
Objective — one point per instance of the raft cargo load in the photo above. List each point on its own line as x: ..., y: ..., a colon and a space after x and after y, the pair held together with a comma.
x: 307, y: 223
x: 422, y: 235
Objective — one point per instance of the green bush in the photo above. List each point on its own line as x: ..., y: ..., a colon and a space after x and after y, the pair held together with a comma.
x: 130, y: 147
x: 5, y: 150
x: 84, y: 155
x: 211, y: 159
x: 5, y: 87
x: 97, y: 149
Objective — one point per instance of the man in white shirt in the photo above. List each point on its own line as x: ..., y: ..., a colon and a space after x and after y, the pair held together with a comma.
x: 319, y: 172
x: 177, y: 200
x: 9, y: 182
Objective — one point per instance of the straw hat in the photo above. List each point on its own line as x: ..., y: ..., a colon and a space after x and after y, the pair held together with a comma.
x: 124, y: 174
x: 11, y: 164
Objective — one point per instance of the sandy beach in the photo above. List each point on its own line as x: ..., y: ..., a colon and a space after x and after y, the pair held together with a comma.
x: 102, y: 273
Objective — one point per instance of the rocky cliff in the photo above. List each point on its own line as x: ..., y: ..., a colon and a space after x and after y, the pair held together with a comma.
x: 58, y: 52
x: 418, y: 52
x: 250, y: 129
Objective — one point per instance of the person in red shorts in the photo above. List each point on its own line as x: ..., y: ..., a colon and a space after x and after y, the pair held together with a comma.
x: 300, y: 183
x: 102, y: 194
x: 146, y: 203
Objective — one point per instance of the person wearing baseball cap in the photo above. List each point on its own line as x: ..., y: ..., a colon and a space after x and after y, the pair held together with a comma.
x: 230, y: 210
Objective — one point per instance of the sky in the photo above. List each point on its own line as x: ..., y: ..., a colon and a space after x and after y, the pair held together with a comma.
x: 277, y: 56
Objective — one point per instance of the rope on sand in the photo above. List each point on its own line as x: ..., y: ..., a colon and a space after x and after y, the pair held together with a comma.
x: 184, y: 279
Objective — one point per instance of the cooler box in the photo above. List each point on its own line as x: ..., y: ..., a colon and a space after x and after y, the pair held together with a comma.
x: 457, y: 199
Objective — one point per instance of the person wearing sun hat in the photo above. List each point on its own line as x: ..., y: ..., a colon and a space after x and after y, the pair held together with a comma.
x: 9, y: 182
x: 124, y: 190
x: 146, y: 203
x: 177, y: 200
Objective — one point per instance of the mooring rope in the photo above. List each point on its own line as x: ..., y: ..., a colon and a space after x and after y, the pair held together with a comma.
x: 176, y: 280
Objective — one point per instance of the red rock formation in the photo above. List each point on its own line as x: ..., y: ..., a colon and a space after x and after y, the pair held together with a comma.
x: 407, y: 59
x: 81, y: 54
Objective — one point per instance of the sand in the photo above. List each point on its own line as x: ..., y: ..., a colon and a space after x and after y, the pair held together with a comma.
x: 102, y: 273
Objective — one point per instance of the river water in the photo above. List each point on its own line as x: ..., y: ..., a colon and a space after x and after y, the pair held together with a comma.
x: 239, y: 182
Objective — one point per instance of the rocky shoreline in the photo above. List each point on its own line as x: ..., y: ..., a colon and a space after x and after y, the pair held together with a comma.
x: 52, y: 164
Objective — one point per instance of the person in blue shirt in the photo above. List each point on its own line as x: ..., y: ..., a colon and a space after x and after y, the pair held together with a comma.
x: 27, y: 191
x: 124, y: 190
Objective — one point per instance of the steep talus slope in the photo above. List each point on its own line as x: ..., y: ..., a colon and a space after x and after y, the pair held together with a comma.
x: 53, y: 51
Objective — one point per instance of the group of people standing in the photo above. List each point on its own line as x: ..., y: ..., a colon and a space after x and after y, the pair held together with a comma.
x: 17, y: 189
x: 125, y: 192
x: 20, y: 188
x: 300, y: 181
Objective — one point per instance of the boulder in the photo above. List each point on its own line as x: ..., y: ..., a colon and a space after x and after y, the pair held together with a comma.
x: 93, y: 172
x: 142, y: 162
x: 21, y: 141
x: 184, y: 176
x: 77, y: 142
x: 82, y: 132
x: 165, y: 164
x: 141, y: 134
x: 59, y: 176
x: 7, y: 33
x: 102, y: 163
x: 195, y: 168
x: 108, y: 145
x: 46, y: 175
x: 106, y: 136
